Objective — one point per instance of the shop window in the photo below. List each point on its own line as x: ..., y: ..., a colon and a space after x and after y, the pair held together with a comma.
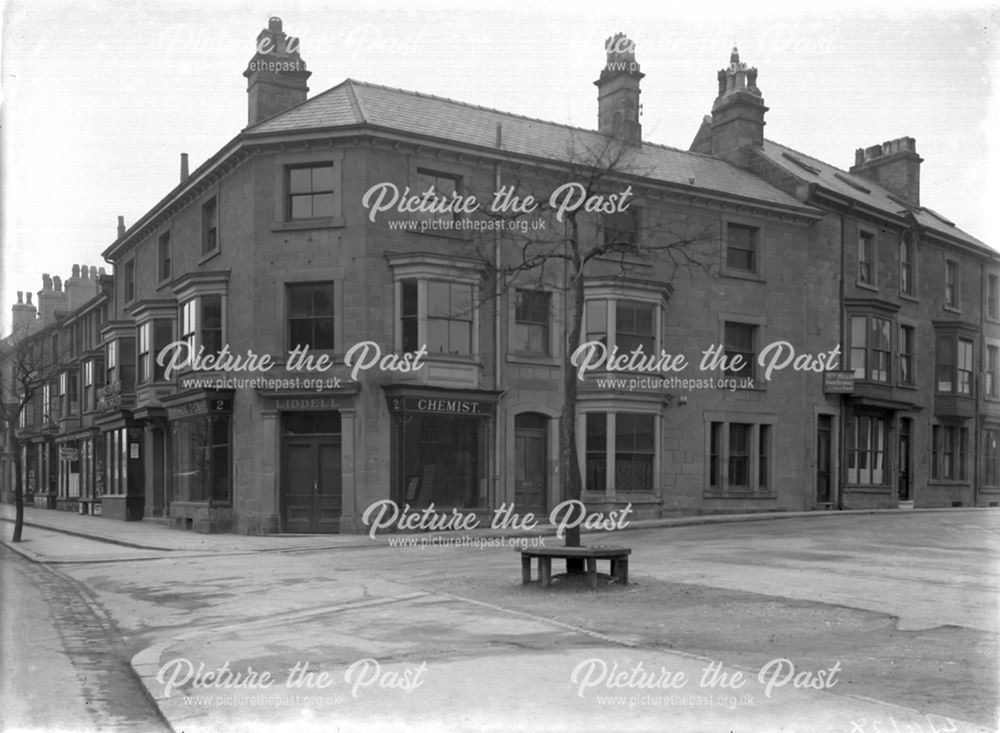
x: 202, y: 452
x: 991, y: 458
x: 310, y: 316
x: 442, y: 460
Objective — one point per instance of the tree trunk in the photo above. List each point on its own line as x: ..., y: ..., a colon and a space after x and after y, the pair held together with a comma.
x: 18, y: 495
x: 571, y: 479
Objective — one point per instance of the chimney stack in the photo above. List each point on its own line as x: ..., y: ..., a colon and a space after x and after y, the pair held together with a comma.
x: 276, y: 75
x: 184, y: 167
x: 618, y: 91
x: 121, y: 226
x: 737, y: 114
x: 894, y: 165
x: 22, y: 314
x: 50, y: 299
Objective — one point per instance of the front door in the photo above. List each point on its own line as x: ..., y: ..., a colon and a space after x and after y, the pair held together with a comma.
x: 530, y: 450
x: 311, y: 479
x: 904, y: 460
x: 823, y: 494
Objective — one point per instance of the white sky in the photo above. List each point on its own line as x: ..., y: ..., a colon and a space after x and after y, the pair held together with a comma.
x: 101, y: 97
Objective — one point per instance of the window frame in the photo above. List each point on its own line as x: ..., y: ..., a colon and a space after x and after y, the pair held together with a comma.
x: 952, y: 285
x: 991, y: 371
x: 313, y: 192
x: 867, y: 261
x: 332, y: 317
x: 949, y: 453
x: 907, y: 266
x: 952, y: 357
x: 754, y: 249
x: 869, y: 350
x: 593, y: 413
x: 208, y: 231
x: 163, y: 258
x: 756, y: 457
x: 992, y: 306
x: 876, y: 446
x: 522, y: 324
x: 908, y: 357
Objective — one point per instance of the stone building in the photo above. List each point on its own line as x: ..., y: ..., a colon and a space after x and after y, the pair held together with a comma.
x: 367, y: 241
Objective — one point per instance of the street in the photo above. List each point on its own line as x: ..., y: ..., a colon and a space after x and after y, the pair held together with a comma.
x: 839, y: 622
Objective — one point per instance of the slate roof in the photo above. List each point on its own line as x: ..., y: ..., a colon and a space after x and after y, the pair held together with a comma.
x: 811, y: 170
x: 355, y: 103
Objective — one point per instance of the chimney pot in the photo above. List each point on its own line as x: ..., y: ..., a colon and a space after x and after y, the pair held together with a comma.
x: 894, y: 165
x: 121, y: 226
x: 20, y: 297
x: 28, y: 296
x: 57, y: 283
x: 76, y: 272
x: 184, y: 167
x: 93, y: 272
x: 84, y: 272
x: 46, y: 281
x: 274, y: 23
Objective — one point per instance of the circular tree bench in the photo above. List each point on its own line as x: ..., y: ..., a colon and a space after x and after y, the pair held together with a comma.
x: 617, y: 555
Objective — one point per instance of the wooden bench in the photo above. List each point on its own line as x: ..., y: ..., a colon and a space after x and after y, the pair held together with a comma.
x: 617, y: 555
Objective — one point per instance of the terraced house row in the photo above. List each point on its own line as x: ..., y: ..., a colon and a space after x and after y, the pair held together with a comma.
x: 861, y: 329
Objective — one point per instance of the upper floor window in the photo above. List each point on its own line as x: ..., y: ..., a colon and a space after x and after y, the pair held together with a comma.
x: 741, y: 247
x: 740, y: 340
x: 93, y: 372
x: 69, y: 391
x: 531, y: 322
x: 120, y: 363
x: 163, y: 256
x: 128, y: 279
x: 111, y: 362
x: 870, y: 348
x: 993, y: 297
x: 437, y: 313
x: 906, y: 283
x: 907, y: 334
x: 622, y: 228
x: 443, y: 186
x: 866, y: 258
x: 209, y: 226
x: 201, y: 323
x: 992, y: 371
x: 310, y: 316
x: 951, y: 284
x: 310, y: 191
x: 954, y: 365
x: 153, y: 336
x: 623, y: 324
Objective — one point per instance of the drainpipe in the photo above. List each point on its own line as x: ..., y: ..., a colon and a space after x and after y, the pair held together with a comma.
x: 977, y: 431
x: 497, y: 360
x: 841, y: 448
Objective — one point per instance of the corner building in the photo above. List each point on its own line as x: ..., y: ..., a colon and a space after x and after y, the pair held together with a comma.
x: 269, y: 247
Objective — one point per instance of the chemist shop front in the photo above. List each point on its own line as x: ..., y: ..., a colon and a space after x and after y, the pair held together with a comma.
x: 440, y: 447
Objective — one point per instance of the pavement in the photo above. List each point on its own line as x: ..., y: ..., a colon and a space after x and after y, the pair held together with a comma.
x: 343, y: 648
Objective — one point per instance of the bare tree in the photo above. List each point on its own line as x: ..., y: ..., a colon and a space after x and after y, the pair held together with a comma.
x: 29, y: 362
x: 578, y: 244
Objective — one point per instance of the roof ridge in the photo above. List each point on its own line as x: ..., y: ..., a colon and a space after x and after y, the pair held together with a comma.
x: 355, y: 100
x: 564, y: 125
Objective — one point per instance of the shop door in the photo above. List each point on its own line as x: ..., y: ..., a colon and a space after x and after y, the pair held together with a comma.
x: 530, y: 486
x: 311, y: 479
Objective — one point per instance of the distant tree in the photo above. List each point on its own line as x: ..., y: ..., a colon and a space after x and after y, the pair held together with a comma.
x: 29, y: 360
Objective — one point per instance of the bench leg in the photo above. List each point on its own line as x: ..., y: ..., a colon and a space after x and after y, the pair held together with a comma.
x: 622, y: 573
x: 545, y: 571
x: 592, y: 571
x: 525, y: 569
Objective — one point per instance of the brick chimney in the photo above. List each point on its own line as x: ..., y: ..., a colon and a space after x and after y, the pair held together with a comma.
x: 618, y: 105
x: 738, y: 112
x: 22, y: 314
x: 894, y: 165
x: 276, y: 75
x: 80, y: 287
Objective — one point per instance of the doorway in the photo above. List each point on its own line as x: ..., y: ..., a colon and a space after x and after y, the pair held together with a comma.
x: 530, y: 470
x: 823, y: 450
x: 311, y: 487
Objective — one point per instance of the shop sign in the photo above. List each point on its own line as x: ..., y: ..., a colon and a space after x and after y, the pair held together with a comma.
x: 199, y: 407
x: 68, y: 453
x: 838, y: 382
x: 441, y: 406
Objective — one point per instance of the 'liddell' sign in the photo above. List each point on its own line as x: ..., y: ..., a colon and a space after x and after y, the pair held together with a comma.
x: 570, y: 514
